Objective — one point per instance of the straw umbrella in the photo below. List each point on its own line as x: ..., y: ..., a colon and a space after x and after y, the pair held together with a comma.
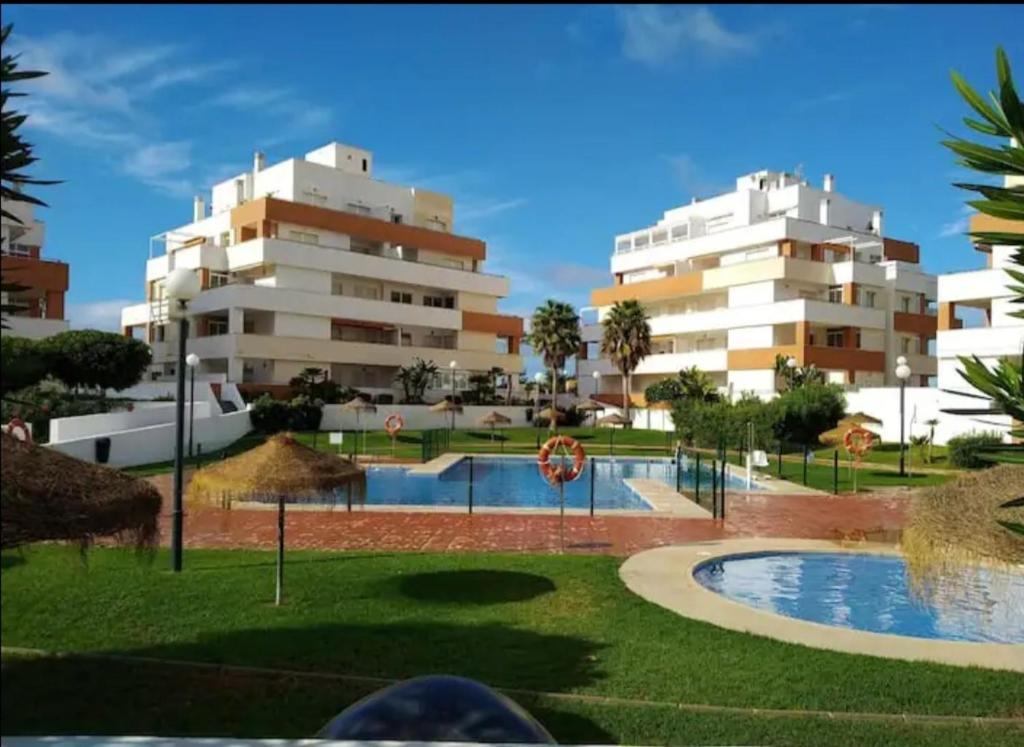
x: 494, y: 418
x: 549, y: 412
x: 49, y: 496
x: 613, y: 420
x: 972, y: 521
x: 591, y: 406
x: 281, y: 468
x: 358, y: 405
x: 445, y: 406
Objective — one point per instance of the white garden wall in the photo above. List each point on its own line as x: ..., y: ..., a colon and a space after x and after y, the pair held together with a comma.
x: 155, y: 443
x: 102, y: 424
x: 417, y: 417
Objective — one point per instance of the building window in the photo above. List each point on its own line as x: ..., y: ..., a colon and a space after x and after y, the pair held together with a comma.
x: 439, y: 302
x: 225, y: 238
x: 835, y: 294
x: 364, y: 165
x: 905, y: 345
x: 396, y: 218
x: 834, y: 338
x: 905, y: 304
x: 217, y: 279
x: 216, y: 327
x: 160, y: 333
x: 304, y: 237
x: 369, y: 292
x: 314, y: 198
x: 867, y: 299
x: 355, y: 208
x: 401, y: 297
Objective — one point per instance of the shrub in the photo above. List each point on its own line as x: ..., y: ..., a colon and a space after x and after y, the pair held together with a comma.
x: 967, y: 451
x: 710, y: 424
x: 22, y: 363
x: 806, y: 412
x: 271, y: 415
x: 90, y: 358
x: 50, y: 399
x: 666, y: 390
x: 315, y: 384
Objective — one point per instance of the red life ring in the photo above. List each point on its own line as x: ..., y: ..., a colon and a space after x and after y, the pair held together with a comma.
x: 16, y: 426
x: 858, y: 440
x: 393, y: 424
x: 556, y: 474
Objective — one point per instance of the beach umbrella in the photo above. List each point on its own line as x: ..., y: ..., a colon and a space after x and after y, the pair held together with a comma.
x: 445, y: 406
x: 46, y: 495
x: 548, y: 413
x: 613, y: 420
x: 591, y: 406
x: 359, y: 405
x: 493, y: 419
x: 283, y: 469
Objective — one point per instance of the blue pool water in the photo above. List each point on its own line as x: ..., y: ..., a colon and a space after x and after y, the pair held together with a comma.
x: 516, y: 483
x: 871, y: 593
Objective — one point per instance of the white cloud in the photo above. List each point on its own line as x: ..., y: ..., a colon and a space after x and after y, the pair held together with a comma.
x: 473, y: 211
x: 656, y: 35
x: 161, y: 165
x: 691, y: 178
x: 104, y: 315
x: 959, y: 225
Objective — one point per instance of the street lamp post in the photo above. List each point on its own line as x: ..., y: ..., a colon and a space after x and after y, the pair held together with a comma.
x: 192, y: 361
x: 452, y: 367
x: 902, y: 373
x: 180, y: 287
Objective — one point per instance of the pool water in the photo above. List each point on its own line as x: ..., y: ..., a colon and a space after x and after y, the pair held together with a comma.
x: 516, y: 483
x: 871, y: 593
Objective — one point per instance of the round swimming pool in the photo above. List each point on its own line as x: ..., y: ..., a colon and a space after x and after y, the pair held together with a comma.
x: 870, y: 593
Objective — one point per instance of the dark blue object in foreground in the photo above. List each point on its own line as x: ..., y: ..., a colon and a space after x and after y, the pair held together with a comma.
x: 435, y: 709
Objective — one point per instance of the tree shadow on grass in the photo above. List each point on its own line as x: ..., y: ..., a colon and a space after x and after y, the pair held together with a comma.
x: 88, y: 696
x: 11, y: 559
x: 473, y: 587
x: 487, y: 436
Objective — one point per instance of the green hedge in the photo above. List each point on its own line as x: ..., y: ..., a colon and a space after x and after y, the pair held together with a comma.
x: 966, y: 451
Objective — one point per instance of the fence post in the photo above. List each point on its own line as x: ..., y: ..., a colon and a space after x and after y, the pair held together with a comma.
x: 696, y: 479
x: 835, y: 471
x: 679, y: 459
x: 280, y: 550
x: 721, y: 491
x: 593, y: 471
x: 714, y: 489
x: 348, y: 496
x: 471, y: 483
x: 805, y: 464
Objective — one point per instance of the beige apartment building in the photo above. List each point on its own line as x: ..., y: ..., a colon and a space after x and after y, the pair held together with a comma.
x: 313, y: 262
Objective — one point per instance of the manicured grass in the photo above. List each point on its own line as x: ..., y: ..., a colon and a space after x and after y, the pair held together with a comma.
x: 541, y: 623
x: 889, y: 453
x: 822, y: 476
x: 245, y: 443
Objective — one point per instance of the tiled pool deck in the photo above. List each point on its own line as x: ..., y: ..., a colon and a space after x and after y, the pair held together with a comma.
x: 755, y: 515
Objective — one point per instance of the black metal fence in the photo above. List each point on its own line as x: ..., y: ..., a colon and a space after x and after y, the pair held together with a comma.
x: 436, y: 441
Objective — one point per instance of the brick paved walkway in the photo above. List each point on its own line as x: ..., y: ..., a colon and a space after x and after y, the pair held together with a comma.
x: 803, y: 516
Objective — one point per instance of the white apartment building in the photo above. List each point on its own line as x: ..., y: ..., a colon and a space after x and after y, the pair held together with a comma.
x: 775, y: 267
x: 313, y: 262
x: 39, y: 302
x: 989, y: 332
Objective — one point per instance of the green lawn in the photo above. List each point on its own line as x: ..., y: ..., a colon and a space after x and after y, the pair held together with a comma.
x: 538, y: 623
x: 889, y: 453
x: 822, y: 476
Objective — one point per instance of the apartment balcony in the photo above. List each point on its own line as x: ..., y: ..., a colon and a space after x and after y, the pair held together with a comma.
x: 289, y: 301
x: 32, y: 327
x: 981, y: 341
x: 831, y: 358
x: 267, y: 251
x: 663, y: 363
x: 918, y: 324
x: 781, y: 312
x: 978, y: 285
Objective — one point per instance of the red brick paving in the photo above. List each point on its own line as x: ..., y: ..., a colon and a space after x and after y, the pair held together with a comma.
x: 803, y: 516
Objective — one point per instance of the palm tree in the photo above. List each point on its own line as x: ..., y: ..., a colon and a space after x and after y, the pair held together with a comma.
x: 931, y: 423
x: 627, y: 341
x: 697, y: 386
x: 555, y: 336
x: 415, y: 378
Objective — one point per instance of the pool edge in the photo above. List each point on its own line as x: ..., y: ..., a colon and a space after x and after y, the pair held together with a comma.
x: 664, y: 576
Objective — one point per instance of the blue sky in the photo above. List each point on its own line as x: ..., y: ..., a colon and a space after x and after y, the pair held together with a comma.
x: 553, y: 127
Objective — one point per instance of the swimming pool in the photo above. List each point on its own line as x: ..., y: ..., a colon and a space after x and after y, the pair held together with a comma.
x: 510, y: 482
x: 870, y: 593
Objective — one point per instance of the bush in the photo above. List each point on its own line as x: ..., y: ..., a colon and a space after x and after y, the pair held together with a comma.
x: 666, y: 390
x: 23, y: 363
x: 90, y: 358
x: 314, y: 384
x: 51, y: 399
x: 967, y: 451
x: 710, y: 424
x: 271, y: 415
x: 805, y: 413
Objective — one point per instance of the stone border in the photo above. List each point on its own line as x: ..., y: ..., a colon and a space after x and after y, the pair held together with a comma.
x: 664, y: 576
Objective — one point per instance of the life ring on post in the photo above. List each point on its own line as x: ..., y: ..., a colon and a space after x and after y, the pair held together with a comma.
x: 19, y: 430
x: 393, y: 424
x: 556, y: 473
x: 858, y: 440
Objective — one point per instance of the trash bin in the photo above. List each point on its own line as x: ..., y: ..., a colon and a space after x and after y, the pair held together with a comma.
x: 103, y: 450
x: 529, y: 414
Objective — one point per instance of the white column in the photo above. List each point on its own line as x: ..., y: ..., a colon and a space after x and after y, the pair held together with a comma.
x: 236, y: 321
x: 235, y: 370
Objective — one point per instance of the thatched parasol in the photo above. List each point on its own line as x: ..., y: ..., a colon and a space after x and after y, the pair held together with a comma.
x: 861, y: 419
x: 965, y: 523
x: 548, y: 412
x: 591, y: 406
x: 493, y: 419
x: 445, y: 406
x: 281, y: 468
x: 614, y: 419
x: 359, y: 405
x: 47, y: 495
